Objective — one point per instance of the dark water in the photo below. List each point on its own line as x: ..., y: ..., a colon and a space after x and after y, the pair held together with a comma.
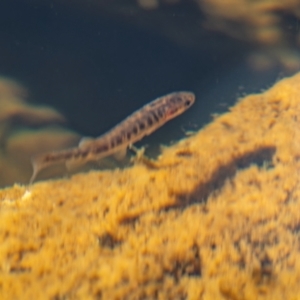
x: 97, y: 70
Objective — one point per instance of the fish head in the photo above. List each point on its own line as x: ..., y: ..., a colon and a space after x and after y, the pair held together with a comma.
x: 177, y: 103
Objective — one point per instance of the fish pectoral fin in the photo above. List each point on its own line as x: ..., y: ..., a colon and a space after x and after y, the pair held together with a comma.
x: 85, y: 142
x: 121, y: 154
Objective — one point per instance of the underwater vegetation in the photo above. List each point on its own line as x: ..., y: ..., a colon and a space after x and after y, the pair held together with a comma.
x: 262, y: 24
x: 216, y: 217
x: 269, y: 26
x: 26, y: 129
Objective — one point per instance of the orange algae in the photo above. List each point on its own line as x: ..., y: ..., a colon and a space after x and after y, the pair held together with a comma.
x: 217, y: 219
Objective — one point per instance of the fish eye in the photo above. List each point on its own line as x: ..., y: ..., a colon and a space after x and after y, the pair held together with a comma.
x: 187, y: 102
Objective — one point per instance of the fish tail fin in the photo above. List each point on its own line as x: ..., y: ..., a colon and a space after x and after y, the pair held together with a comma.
x: 39, y: 162
x: 37, y: 166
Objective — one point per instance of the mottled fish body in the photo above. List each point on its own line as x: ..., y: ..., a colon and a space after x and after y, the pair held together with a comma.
x: 139, y: 124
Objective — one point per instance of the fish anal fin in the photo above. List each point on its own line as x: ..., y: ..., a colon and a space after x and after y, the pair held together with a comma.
x: 120, y: 154
x: 74, y: 164
x: 85, y: 142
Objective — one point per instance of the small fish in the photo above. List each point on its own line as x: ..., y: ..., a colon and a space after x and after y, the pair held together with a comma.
x: 139, y: 124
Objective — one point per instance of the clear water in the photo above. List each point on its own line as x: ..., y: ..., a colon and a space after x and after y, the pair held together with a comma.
x: 96, y: 68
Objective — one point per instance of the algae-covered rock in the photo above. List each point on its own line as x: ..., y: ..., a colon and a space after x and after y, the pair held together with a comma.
x: 215, y: 217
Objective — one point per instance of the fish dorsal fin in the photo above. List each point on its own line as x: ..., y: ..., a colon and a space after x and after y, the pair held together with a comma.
x: 85, y: 142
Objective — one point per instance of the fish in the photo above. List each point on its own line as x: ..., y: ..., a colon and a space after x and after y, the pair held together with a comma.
x: 116, y: 141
